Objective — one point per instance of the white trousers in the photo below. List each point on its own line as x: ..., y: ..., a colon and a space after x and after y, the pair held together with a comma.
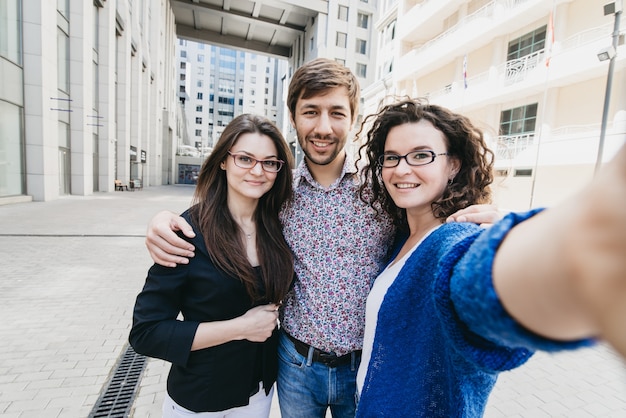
x: 259, y: 407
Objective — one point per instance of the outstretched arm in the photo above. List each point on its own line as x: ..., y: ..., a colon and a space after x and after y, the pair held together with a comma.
x: 165, y: 247
x: 562, y: 273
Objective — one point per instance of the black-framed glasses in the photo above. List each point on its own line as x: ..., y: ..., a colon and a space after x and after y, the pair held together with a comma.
x: 245, y: 161
x: 414, y: 158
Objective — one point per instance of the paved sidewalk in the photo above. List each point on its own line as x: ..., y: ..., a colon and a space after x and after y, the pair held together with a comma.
x: 69, y: 273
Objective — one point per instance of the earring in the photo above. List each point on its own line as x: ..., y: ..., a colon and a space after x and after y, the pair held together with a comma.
x: 222, y: 166
x: 450, y: 181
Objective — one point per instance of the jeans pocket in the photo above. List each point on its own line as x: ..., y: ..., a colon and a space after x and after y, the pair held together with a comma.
x: 287, y: 353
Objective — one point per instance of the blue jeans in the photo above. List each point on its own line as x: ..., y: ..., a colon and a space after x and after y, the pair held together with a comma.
x: 306, y: 389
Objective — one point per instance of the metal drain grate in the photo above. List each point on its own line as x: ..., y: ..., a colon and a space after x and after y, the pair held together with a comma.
x: 119, y: 395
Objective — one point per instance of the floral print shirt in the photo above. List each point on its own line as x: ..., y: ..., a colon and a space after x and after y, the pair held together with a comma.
x: 339, y: 248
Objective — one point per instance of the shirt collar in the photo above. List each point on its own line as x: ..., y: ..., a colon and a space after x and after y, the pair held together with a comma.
x: 303, y: 172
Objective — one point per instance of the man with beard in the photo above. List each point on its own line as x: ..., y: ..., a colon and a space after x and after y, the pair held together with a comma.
x: 339, y: 243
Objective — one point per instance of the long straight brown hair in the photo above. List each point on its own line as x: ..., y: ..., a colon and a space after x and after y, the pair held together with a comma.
x: 223, y: 236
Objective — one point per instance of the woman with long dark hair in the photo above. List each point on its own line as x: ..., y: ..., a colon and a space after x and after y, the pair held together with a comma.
x: 223, y: 349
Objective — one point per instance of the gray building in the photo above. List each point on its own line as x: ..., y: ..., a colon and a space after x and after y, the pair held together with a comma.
x: 89, y: 90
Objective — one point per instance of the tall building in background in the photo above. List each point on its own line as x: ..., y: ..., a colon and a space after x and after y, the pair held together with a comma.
x: 215, y: 84
x: 527, y: 70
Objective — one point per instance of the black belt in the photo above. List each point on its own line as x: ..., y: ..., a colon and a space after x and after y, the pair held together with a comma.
x: 329, y: 359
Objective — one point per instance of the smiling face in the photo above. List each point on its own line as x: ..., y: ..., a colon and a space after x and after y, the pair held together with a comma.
x: 250, y: 183
x: 323, y: 123
x: 414, y: 188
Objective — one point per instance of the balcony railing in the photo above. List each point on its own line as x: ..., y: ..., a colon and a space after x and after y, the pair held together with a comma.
x: 487, y: 11
x: 509, y: 146
x: 517, y: 69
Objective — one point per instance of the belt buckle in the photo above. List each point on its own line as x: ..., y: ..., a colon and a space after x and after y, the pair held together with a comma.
x: 329, y: 359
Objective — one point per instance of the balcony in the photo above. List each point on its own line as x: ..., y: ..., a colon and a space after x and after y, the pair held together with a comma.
x: 572, y: 60
x: 418, y: 30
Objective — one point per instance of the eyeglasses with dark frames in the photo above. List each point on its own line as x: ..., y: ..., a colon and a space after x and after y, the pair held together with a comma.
x: 413, y: 158
x: 245, y: 161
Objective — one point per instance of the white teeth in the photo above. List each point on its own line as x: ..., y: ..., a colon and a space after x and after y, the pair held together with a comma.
x: 406, y: 185
x: 321, y: 144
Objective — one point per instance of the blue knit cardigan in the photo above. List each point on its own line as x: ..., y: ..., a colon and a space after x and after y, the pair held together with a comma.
x: 442, y: 335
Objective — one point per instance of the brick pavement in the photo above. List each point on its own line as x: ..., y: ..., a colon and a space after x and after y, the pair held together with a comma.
x: 69, y: 273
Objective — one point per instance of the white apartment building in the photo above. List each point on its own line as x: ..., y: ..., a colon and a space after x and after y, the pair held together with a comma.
x: 526, y: 70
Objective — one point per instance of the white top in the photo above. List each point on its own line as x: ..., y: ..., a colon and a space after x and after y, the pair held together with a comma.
x: 375, y: 298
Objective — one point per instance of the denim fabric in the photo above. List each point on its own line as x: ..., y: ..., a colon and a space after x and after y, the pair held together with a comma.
x: 306, y: 389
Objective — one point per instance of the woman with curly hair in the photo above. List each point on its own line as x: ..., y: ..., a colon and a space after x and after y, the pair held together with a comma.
x: 457, y: 303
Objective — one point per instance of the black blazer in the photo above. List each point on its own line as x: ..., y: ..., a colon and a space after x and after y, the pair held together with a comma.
x: 215, y: 378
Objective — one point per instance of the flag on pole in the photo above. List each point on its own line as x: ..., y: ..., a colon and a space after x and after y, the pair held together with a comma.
x: 549, y: 39
x: 465, y: 71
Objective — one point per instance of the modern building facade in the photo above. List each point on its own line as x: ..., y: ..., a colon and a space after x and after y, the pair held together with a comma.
x: 526, y: 70
x: 87, y: 96
x: 89, y: 90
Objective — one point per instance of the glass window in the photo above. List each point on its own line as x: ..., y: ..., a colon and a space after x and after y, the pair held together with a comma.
x: 527, y: 44
x: 519, y: 120
x: 343, y: 13
x: 11, y: 144
x: 361, y: 70
x: 10, y: 30
x: 341, y: 39
x: 63, y: 73
x: 361, y: 46
x: 63, y: 7
x: 362, y: 20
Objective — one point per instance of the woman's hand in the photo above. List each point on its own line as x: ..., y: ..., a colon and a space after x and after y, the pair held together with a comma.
x: 259, y: 322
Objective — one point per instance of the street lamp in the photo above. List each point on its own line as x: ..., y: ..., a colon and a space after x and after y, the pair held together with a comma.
x: 609, y: 53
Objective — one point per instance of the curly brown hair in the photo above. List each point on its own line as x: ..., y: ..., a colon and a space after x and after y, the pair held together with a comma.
x: 464, y: 141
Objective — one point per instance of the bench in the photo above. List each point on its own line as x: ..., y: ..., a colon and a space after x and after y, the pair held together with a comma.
x: 120, y: 186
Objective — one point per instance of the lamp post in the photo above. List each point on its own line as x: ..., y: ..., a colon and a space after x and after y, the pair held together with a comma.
x: 608, y: 53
